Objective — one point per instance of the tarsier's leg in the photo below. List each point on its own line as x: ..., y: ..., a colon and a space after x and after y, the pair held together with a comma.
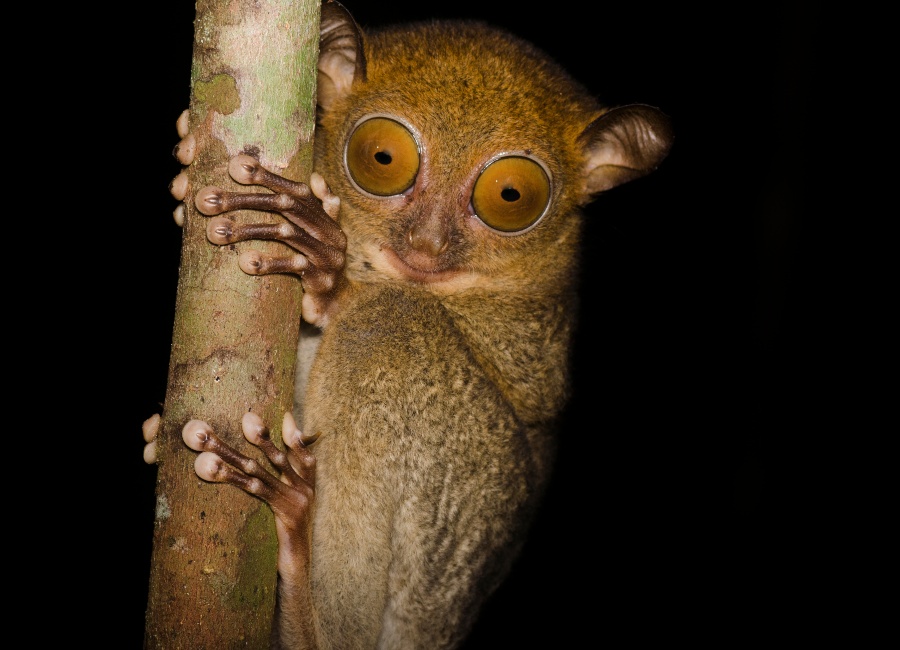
x: 290, y: 495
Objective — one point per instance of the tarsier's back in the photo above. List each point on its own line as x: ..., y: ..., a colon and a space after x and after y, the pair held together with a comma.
x: 461, y: 157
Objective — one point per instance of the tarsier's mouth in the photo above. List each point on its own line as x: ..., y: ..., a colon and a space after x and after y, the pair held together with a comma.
x: 419, y: 267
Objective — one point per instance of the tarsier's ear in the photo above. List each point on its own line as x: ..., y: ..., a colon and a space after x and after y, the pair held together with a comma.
x: 341, y: 57
x: 623, y: 144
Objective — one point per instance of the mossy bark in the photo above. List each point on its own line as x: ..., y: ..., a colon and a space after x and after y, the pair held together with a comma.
x: 212, y: 579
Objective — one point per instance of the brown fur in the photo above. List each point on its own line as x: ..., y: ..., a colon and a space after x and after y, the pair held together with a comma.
x: 435, y: 401
x: 437, y: 406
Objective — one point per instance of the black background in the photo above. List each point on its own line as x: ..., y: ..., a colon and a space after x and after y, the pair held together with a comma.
x: 681, y: 506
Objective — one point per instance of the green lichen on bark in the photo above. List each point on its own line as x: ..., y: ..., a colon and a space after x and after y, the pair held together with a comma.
x: 258, y: 546
x: 220, y: 94
x: 267, y: 45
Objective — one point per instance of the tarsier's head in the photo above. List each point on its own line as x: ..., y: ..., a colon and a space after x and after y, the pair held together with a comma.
x: 461, y: 154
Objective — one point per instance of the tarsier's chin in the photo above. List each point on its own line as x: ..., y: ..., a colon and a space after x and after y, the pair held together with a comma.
x: 437, y: 244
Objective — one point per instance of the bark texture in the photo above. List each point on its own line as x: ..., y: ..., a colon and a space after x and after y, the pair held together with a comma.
x: 212, y: 581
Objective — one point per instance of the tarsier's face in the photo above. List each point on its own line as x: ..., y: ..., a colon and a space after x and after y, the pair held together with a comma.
x: 472, y: 163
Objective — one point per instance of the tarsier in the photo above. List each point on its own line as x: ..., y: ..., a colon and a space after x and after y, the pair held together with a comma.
x: 437, y: 244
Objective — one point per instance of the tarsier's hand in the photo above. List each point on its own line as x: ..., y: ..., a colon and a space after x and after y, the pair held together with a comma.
x: 310, y: 227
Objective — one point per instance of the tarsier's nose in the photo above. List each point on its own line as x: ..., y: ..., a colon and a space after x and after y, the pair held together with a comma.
x: 429, y: 236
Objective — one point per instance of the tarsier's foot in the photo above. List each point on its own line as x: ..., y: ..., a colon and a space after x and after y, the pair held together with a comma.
x: 150, y: 428
x: 290, y: 495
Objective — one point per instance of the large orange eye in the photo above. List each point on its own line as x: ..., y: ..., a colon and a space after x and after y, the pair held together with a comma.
x: 511, y: 194
x: 382, y: 156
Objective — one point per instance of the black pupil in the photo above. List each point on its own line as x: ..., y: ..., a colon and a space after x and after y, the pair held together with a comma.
x: 383, y: 157
x: 510, y: 194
